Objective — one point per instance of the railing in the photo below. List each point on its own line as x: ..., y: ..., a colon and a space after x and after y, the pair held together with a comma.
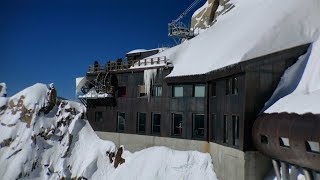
x: 122, y: 65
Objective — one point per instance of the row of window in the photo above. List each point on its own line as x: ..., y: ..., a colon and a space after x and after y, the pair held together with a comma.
x: 311, y: 146
x: 229, y: 122
x: 177, y: 124
x: 177, y: 90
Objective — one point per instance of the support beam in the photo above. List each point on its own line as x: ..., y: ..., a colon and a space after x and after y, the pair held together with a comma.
x: 276, y: 168
x: 294, y: 172
x: 285, y: 171
x: 308, y: 174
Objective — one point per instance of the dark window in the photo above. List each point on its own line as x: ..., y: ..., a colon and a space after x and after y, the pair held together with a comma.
x: 177, y: 91
x: 156, y: 123
x: 121, y: 119
x: 122, y: 91
x: 157, y: 90
x: 213, y: 121
x: 177, y: 124
x: 313, y: 147
x: 141, y: 91
x: 199, y: 91
x: 98, y: 116
x: 228, y: 86
x: 264, y: 139
x: 198, y: 126
x: 214, y: 89
x: 235, y: 124
x: 142, y: 122
x: 225, y: 129
x: 284, y: 142
x: 234, y: 85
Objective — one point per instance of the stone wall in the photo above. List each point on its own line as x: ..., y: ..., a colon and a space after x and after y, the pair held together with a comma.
x: 228, y: 163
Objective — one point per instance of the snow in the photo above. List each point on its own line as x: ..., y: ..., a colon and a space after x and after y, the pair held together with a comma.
x: 92, y: 94
x: 149, y: 76
x: 80, y: 82
x: 251, y: 29
x: 3, y: 89
x: 304, y: 98
x: 62, y: 145
x: 202, y: 8
x: 145, y: 50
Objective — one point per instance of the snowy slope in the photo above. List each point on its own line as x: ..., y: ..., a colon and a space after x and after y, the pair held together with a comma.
x: 251, y: 29
x: 61, y: 144
x: 306, y: 90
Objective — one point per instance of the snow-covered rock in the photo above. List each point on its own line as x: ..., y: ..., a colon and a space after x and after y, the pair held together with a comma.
x: 61, y: 144
x: 3, y: 89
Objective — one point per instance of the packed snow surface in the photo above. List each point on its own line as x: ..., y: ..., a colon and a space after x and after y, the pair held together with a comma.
x: 306, y: 94
x: 251, y: 29
x: 62, y: 144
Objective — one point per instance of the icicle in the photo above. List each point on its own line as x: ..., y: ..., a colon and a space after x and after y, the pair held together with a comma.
x: 148, y: 77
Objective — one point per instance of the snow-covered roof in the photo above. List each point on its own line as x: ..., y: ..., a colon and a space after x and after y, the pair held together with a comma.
x: 145, y: 50
x: 299, y: 94
x: 251, y: 29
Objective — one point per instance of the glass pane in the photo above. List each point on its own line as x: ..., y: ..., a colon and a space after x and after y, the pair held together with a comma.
x: 214, y: 93
x: 199, y: 91
x: 177, y: 124
x: 225, y: 129
x: 121, y: 121
x: 235, y: 122
x: 177, y: 91
x: 157, y: 90
x: 234, y: 86
x: 142, y: 122
x: 98, y: 117
x: 156, y: 123
x: 198, y: 125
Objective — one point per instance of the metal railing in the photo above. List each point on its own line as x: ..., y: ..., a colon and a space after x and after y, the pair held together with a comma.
x: 122, y: 65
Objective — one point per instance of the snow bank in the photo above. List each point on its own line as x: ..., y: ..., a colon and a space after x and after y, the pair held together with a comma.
x: 306, y: 94
x: 251, y: 29
x: 61, y: 144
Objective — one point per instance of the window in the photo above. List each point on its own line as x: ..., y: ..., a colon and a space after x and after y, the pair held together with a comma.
x: 141, y: 122
x: 98, y: 117
x: 177, y: 124
x: 264, y: 139
x: 313, y: 147
x: 121, y: 118
x: 199, y: 91
x: 141, y: 91
x: 235, y: 124
x: 122, y: 91
x: 284, y: 142
x: 225, y: 129
x: 198, y: 126
x: 213, y: 120
x: 228, y: 86
x: 157, y: 90
x: 214, y: 89
x: 234, y: 85
x: 177, y: 91
x: 156, y: 123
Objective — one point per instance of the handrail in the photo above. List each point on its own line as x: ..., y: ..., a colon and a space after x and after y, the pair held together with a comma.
x: 122, y: 65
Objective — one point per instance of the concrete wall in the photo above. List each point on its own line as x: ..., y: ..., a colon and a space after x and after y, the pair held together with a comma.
x: 228, y: 163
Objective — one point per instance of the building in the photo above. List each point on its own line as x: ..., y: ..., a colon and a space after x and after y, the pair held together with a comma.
x: 212, y: 112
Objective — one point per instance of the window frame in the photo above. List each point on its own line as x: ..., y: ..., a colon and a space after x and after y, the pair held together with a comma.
x: 155, y: 91
x: 122, y: 95
x: 225, y: 129
x: 138, y: 122
x: 194, y: 90
x: 234, y: 137
x: 118, y: 122
x: 214, y: 89
x: 173, y: 91
x: 152, y: 123
x: 193, y: 125
x: 173, y: 122
x: 101, y: 116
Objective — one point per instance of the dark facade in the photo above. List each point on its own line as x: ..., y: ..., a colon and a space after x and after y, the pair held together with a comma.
x: 220, y: 106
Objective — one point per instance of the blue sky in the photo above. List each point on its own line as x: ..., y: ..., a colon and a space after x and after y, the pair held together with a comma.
x: 55, y: 41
